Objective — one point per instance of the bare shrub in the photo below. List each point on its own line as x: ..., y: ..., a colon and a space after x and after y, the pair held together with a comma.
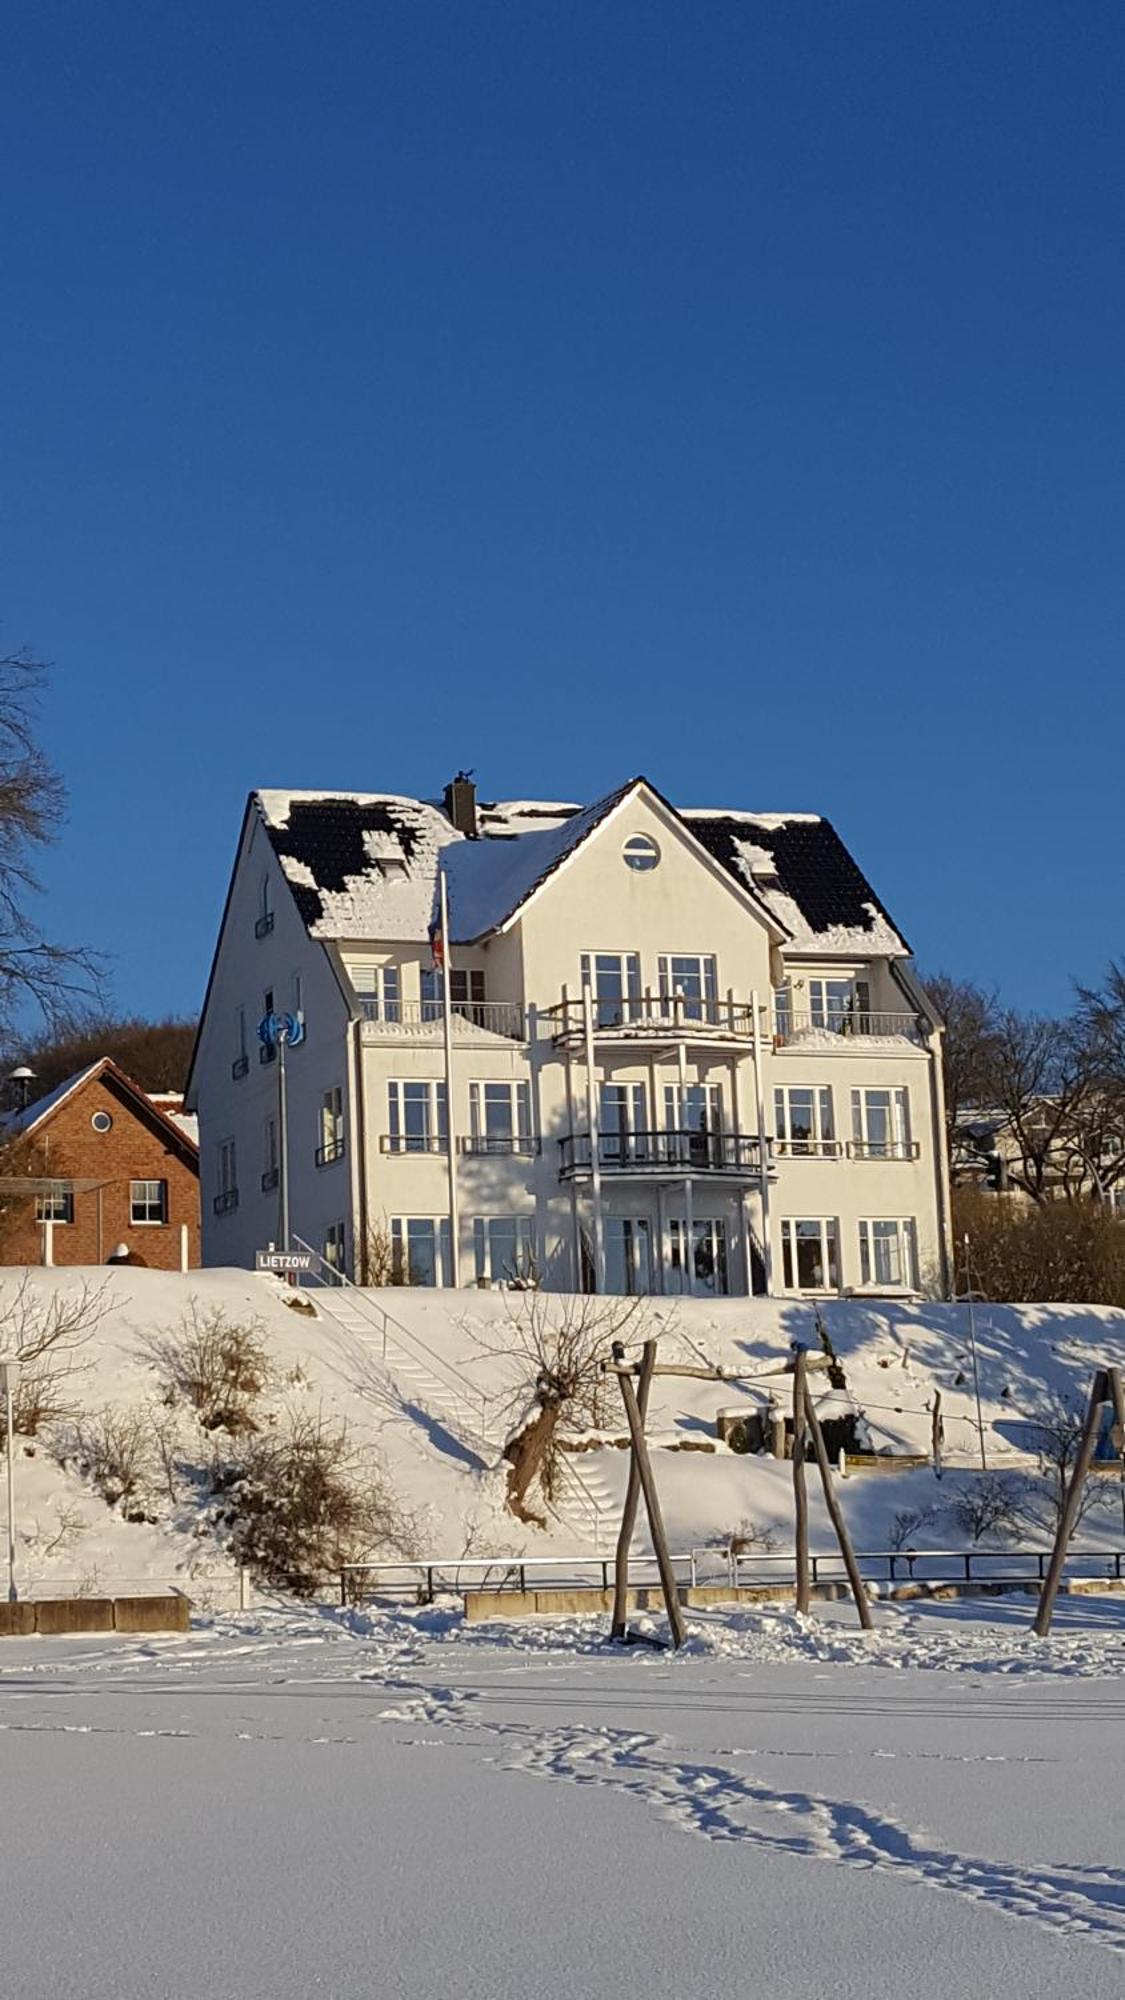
x: 1057, y: 1423
x: 113, y: 1450
x: 1034, y: 1251
x: 556, y: 1345
x: 305, y: 1500
x: 991, y: 1505
x: 750, y: 1538
x: 46, y: 1332
x: 218, y: 1365
x: 64, y: 1533
x: 909, y: 1523
x: 380, y: 1260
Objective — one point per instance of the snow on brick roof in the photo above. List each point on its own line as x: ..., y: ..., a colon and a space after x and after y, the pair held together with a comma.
x: 334, y: 849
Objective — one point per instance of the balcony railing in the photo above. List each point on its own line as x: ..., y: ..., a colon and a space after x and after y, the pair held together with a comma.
x: 807, y: 1149
x: 269, y: 1179
x: 883, y: 1149
x: 652, y: 1016
x: 264, y: 924
x: 830, y: 1027
x: 424, y: 1021
x: 679, y: 1153
x: 414, y: 1142
x: 226, y: 1202
x: 240, y: 1067
x: 490, y: 1145
x: 329, y: 1153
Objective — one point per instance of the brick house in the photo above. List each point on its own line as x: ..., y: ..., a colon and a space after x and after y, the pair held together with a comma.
x: 123, y: 1169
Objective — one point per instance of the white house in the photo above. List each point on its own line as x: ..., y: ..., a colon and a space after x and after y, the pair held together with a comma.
x: 686, y: 1050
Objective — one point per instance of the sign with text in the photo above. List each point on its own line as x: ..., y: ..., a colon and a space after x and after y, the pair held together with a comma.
x: 282, y: 1260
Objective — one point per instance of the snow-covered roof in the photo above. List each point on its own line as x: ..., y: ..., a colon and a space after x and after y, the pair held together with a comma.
x: 15, y: 1123
x: 363, y: 866
x: 167, y: 1105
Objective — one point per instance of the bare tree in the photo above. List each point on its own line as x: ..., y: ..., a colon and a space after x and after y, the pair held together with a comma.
x: 1041, y: 1074
x: 54, y: 978
x: 555, y: 1345
x: 46, y: 1332
x: 155, y: 1054
x: 1057, y: 1423
x: 970, y: 1016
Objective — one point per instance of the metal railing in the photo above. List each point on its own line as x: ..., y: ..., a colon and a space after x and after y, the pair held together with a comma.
x: 270, y: 1179
x: 424, y: 1021
x: 845, y: 1024
x: 264, y: 925
x: 640, y: 1016
x: 883, y: 1149
x: 487, y: 1145
x: 936, y: 1565
x: 806, y: 1149
x: 414, y: 1142
x: 226, y: 1202
x: 661, y: 1153
x: 328, y: 1154
x: 240, y: 1067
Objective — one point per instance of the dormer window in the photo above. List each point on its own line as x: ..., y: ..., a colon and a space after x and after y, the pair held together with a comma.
x: 640, y: 853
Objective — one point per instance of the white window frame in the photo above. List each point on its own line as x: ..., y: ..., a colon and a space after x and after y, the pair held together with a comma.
x: 56, y: 1207
x: 684, y: 1007
x: 336, y: 1246
x: 378, y: 991
x: 906, y: 1252
x: 524, y: 1254
x: 519, y: 1139
x: 638, y: 1252
x: 466, y: 992
x: 703, y: 1227
x: 829, y: 1238
x: 443, y: 1256
x: 899, y: 1146
x: 822, y: 1142
x: 629, y: 1006
x: 148, y: 1221
x: 622, y: 1141
x: 833, y: 1015
x: 694, y: 1145
x: 436, y: 1136
x: 331, y: 1125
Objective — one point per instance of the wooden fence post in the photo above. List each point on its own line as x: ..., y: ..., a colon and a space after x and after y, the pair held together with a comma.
x: 629, y: 1511
x: 800, y: 1490
x: 836, y: 1517
x: 652, y: 1503
x: 1099, y: 1394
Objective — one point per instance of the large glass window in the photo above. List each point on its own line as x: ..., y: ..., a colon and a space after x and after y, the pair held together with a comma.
x: 627, y: 1243
x: 881, y: 1124
x: 837, y: 1003
x: 623, y: 1116
x: 803, y: 1119
x: 378, y: 990
x: 809, y: 1254
x: 417, y: 1120
x: 148, y: 1201
x: 500, y: 1118
x: 614, y: 978
x: 888, y: 1253
x: 466, y: 993
x: 693, y: 1120
x: 504, y: 1247
x: 709, y: 1256
x: 689, y: 987
x: 420, y: 1252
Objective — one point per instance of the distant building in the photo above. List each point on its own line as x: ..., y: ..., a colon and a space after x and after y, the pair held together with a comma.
x: 688, y: 1050
x: 115, y: 1167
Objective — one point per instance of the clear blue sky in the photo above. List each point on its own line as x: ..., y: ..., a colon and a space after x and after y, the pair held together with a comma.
x: 732, y: 393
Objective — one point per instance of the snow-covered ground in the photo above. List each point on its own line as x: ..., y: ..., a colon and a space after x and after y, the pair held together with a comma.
x: 299, y: 1803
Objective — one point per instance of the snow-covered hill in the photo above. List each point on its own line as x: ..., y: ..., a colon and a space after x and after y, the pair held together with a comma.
x: 426, y: 1379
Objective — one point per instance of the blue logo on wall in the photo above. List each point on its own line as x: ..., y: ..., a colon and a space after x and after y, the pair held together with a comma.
x: 287, y: 1028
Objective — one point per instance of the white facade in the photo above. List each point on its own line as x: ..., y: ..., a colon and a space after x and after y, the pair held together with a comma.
x: 661, y: 1077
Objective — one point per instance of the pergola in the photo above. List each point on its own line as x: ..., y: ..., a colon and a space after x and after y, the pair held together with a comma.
x: 39, y: 1184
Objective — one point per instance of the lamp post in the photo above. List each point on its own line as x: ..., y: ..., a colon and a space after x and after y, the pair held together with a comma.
x: 9, y: 1376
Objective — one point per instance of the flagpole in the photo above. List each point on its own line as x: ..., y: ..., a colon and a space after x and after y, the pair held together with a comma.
x: 450, y: 1136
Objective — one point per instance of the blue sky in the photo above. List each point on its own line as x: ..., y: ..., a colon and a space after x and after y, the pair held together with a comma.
x: 728, y: 393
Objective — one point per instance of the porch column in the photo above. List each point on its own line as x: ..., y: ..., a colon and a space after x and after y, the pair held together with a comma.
x: 595, y: 1148
x: 763, y: 1143
x: 687, y: 1250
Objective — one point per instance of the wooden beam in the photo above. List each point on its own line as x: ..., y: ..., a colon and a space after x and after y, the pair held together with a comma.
x: 629, y: 1511
x: 800, y: 1490
x: 1100, y: 1393
x: 835, y: 1515
x: 648, y: 1488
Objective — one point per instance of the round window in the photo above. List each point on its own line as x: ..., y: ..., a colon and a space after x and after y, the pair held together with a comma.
x: 640, y: 852
x: 101, y: 1121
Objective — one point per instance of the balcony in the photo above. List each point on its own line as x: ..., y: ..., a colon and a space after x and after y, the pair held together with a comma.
x: 423, y: 1021
x: 832, y: 1031
x: 328, y: 1154
x: 226, y: 1202
x: 652, y: 1017
x: 662, y: 1155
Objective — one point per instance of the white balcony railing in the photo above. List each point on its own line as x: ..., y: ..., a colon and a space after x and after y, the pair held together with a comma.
x: 651, y: 1016
x: 830, y: 1028
x: 424, y: 1021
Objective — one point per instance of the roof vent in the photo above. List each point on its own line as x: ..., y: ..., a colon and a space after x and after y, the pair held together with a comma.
x: 461, y: 804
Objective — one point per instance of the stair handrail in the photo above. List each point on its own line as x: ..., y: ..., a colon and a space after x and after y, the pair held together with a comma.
x: 573, y: 1478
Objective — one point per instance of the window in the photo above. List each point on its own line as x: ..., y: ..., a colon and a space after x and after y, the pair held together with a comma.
x: 148, y: 1201
x: 58, y: 1206
x: 264, y: 924
x: 331, y: 1145
x: 803, y: 1120
x: 622, y: 1119
x: 417, y: 1120
x: 693, y: 1119
x: 614, y: 979
x: 298, y: 996
x: 689, y: 987
x: 835, y: 1003
x: 809, y: 1254
x: 241, y: 1064
x: 420, y: 1252
x: 504, y: 1247
x: 627, y: 1244
x: 378, y: 991
x: 466, y: 993
x: 335, y: 1246
x: 881, y: 1125
x: 270, y: 1155
x: 500, y: 1118
x: 227, y: 1197
x: 888, y: 1253
x: 640, y: 853
x: 267, y: 1050
x: 709, y: 1258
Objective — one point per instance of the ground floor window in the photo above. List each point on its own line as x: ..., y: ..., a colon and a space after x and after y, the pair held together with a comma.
x: 335, y: 1246
x: 58, y: 1206
x: 809, y: 1254
x: 627, y: 1244
x: 148, y: 1201
x: 504, y: 1247
x: 708, y: 1256
x: 420, y: 1250
x: 888, y: 1252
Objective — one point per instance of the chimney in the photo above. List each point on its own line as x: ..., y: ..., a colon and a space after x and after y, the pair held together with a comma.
x: 461, y: 804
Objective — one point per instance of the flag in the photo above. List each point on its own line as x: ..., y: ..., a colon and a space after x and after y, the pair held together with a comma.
x: 437, y: 945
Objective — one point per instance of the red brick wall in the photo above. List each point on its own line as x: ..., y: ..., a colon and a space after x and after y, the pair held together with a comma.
x: 133, y: 1149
